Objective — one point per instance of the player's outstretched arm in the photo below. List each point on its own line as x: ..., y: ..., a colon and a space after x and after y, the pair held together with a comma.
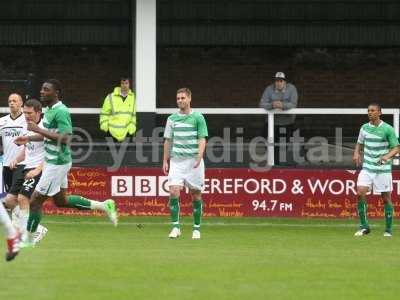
x: 62, y: 138
x: 22, y: 140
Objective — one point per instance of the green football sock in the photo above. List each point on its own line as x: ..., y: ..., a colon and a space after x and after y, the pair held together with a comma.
x: 197, y: 212
x: 174, y: 211
x: 362, y: 212
x: 388, y: 216
x: 79, y: 202
x: 33, y: 221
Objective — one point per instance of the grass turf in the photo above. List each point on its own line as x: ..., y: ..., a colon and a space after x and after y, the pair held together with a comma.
x: 87, y: 258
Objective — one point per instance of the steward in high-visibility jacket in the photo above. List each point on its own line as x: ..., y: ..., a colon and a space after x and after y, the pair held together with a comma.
x: 118, y: 115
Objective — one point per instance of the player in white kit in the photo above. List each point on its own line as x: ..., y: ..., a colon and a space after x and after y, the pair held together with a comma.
x: 11, y: 126
x: 33, y: 157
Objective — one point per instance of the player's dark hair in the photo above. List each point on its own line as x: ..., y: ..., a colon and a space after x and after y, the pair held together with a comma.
x: 124, y: 78
x: 376, y: 104
x: 37, y: 106
x: 56, y: 85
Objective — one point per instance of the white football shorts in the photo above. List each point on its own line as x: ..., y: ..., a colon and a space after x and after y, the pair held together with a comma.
x: 379, y: 182
x: 182, y: 173
x: 54, y: 177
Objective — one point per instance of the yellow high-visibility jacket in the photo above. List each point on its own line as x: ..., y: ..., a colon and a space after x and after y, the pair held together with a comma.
x: 118, y: 116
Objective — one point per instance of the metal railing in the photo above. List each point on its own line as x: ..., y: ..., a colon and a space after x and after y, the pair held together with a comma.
x: 260, y: 111
x: 297, y: 111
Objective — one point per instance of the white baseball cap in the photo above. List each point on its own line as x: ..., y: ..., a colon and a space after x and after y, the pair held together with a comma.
x: 280, y: 75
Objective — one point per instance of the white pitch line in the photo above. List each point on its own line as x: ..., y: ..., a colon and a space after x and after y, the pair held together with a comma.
x: 210, y: 224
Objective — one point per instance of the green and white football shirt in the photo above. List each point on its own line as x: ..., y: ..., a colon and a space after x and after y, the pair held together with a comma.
x: 377, y: 141
x: 57, y: 119
x: 185, y: 132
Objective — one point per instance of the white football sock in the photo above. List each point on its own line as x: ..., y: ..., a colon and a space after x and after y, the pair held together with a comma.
x: 15, y: 217
x: 23, y: 220
x: 97, y: 205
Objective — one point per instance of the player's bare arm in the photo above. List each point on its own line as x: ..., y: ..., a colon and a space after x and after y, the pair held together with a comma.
x: 34, y: 172
x: 22, y: 140
x: 20, y: 157
x: 202, y: 148
x: 389, y: 155
x: 63, y: 138
x: 167, y: 144
x: 357, y: 154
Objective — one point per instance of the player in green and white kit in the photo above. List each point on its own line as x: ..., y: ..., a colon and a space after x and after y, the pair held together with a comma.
x: 185, y: 142
x: 379, y: 142
x: 54, y: 180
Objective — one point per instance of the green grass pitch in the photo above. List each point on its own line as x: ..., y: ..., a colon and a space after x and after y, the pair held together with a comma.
x: 246, y: 258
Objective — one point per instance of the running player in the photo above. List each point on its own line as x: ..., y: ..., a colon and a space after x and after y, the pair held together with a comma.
x: 54, y: 180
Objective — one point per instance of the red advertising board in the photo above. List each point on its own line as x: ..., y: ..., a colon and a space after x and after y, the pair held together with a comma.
x: 230, y: 192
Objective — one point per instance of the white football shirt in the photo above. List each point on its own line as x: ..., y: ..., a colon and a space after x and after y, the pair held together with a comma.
x: 34, y: 151
x: 10, y: 129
